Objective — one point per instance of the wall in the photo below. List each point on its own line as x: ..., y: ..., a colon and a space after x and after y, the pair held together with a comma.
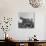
x: 45, y: 28
x: 11, y: 8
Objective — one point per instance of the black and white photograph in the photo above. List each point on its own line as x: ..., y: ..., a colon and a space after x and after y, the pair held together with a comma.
x: 26, y: 20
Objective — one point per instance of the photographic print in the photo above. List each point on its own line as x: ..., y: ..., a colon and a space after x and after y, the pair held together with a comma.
x: 26, y: 20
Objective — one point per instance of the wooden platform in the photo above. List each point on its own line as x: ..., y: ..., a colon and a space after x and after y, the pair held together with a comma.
x: 8, y: 42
